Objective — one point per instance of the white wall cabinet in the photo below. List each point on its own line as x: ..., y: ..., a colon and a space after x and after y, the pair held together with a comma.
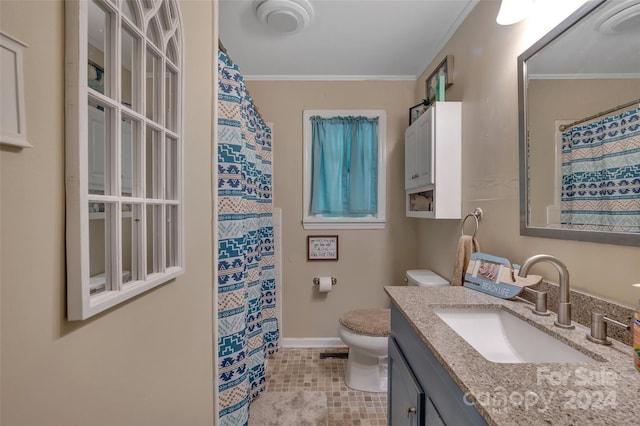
x: 433, y: 160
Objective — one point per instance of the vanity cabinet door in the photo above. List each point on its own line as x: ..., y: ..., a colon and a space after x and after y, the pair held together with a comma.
x: 445, y: 401
x: 406, y: 397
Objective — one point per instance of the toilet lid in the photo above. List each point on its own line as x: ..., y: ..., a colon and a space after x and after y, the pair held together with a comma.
x: 368, y: 322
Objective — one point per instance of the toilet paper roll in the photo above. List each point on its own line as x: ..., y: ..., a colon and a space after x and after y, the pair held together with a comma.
x: 325, y: 285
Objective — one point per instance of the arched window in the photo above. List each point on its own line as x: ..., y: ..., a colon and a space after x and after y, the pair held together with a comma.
x: 124, y: 144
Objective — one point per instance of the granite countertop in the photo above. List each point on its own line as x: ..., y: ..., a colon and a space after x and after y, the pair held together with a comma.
x: 603, y: 392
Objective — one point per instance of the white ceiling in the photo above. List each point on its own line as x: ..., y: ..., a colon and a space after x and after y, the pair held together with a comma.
x: 347, y: 39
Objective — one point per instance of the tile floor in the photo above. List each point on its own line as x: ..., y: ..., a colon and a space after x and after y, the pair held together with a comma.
x: 293, y: 369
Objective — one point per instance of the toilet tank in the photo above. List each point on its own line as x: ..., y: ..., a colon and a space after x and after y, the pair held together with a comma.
x: 424, y: 278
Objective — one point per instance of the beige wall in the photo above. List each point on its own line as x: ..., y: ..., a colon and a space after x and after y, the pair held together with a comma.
x: 369, y: 259
x: 148, y: 361
x: 485, y: 81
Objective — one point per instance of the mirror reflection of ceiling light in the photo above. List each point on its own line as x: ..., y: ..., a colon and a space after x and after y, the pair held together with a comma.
x: 624, y: 17
x: 285, y: 16
x: 512, y: 11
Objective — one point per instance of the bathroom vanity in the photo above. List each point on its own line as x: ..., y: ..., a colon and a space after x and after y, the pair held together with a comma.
x: 436, y: 377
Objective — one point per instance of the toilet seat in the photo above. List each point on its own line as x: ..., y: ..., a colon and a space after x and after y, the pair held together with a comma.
x: 368, y: 322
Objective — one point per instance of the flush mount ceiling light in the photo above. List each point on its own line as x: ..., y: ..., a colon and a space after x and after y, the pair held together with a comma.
x: 285, y: 16
x: 512, y: 11
x: 623, y: 18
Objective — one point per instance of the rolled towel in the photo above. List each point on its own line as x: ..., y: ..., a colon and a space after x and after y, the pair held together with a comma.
x: 466, y: 246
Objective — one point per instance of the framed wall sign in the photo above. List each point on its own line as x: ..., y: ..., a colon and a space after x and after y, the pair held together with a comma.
x: 322, y: 247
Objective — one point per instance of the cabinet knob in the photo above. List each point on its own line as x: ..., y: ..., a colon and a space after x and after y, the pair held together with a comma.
x: 411, y: 410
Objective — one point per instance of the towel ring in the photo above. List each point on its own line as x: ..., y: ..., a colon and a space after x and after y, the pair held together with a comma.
x: 476, y: 214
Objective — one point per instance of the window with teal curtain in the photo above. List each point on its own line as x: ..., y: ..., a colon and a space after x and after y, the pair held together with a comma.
x: 344, y: 173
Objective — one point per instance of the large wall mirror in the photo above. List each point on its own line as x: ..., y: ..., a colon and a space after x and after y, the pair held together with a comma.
x: 579, y: 112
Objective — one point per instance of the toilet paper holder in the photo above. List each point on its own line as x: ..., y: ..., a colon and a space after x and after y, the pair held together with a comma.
x: 316, y: 281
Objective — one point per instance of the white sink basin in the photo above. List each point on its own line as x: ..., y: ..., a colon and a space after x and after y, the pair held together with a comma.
x: 502, y: 337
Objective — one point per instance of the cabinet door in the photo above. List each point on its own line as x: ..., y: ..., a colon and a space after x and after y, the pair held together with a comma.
x: 406, y: 397
x: 425, y: 144
x: 410, y: 161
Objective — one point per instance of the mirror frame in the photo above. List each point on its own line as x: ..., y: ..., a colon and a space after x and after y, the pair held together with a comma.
x: 616, y: 238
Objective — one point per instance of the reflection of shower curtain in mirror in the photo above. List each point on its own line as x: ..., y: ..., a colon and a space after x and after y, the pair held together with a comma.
x: 247, y: 325
x: 601, y: 174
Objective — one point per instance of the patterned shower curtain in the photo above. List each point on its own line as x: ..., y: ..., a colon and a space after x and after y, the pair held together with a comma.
x: 601, y: 174
x: 247, y: 324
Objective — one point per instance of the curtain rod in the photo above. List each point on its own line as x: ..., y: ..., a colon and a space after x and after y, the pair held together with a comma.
x: 564, y: 127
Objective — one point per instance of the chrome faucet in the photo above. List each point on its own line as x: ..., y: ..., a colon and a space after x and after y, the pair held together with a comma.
x: 564, y: 305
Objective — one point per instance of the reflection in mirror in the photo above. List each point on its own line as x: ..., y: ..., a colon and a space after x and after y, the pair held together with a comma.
x: 130, y: 216
x: 154, y: 229
x: 171, y: 93
x: 128, y: 132
x: 171, y: 169
x: 129, y: 73
x: 579, y: 99
x: 98, y: 32
x: 153, y: 156
x: 153, y: 86
x: 99, y: 120
x: 99, y: 251
x: 172, y: 235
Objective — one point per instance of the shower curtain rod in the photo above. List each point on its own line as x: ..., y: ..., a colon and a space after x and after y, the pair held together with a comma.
x: 564, y: 127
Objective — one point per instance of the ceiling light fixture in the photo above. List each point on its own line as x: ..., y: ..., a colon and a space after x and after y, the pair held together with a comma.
x: 512, y: 11
x: 285, y: 16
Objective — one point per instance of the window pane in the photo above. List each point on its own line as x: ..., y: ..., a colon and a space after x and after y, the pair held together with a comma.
x: 130, y: 240
x: 129, y: 70
x: 153, y: 163
x: 154, y: 238
x: 130, y: 157
x: 172, y: 236
x: 98, y: 54
x: 153, y: 87
x: 100, y: 279
x: 99, y: 149
x: 171, y: 169
x: 171, y: 101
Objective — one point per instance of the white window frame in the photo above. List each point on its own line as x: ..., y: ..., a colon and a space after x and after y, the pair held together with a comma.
x: 80, y: 303
x: 376, y: 221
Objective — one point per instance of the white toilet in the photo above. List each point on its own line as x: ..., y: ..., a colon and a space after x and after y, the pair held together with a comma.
x: 366, y: 332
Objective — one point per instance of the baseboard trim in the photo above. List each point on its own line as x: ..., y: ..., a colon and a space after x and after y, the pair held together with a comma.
x: 313, y: 342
